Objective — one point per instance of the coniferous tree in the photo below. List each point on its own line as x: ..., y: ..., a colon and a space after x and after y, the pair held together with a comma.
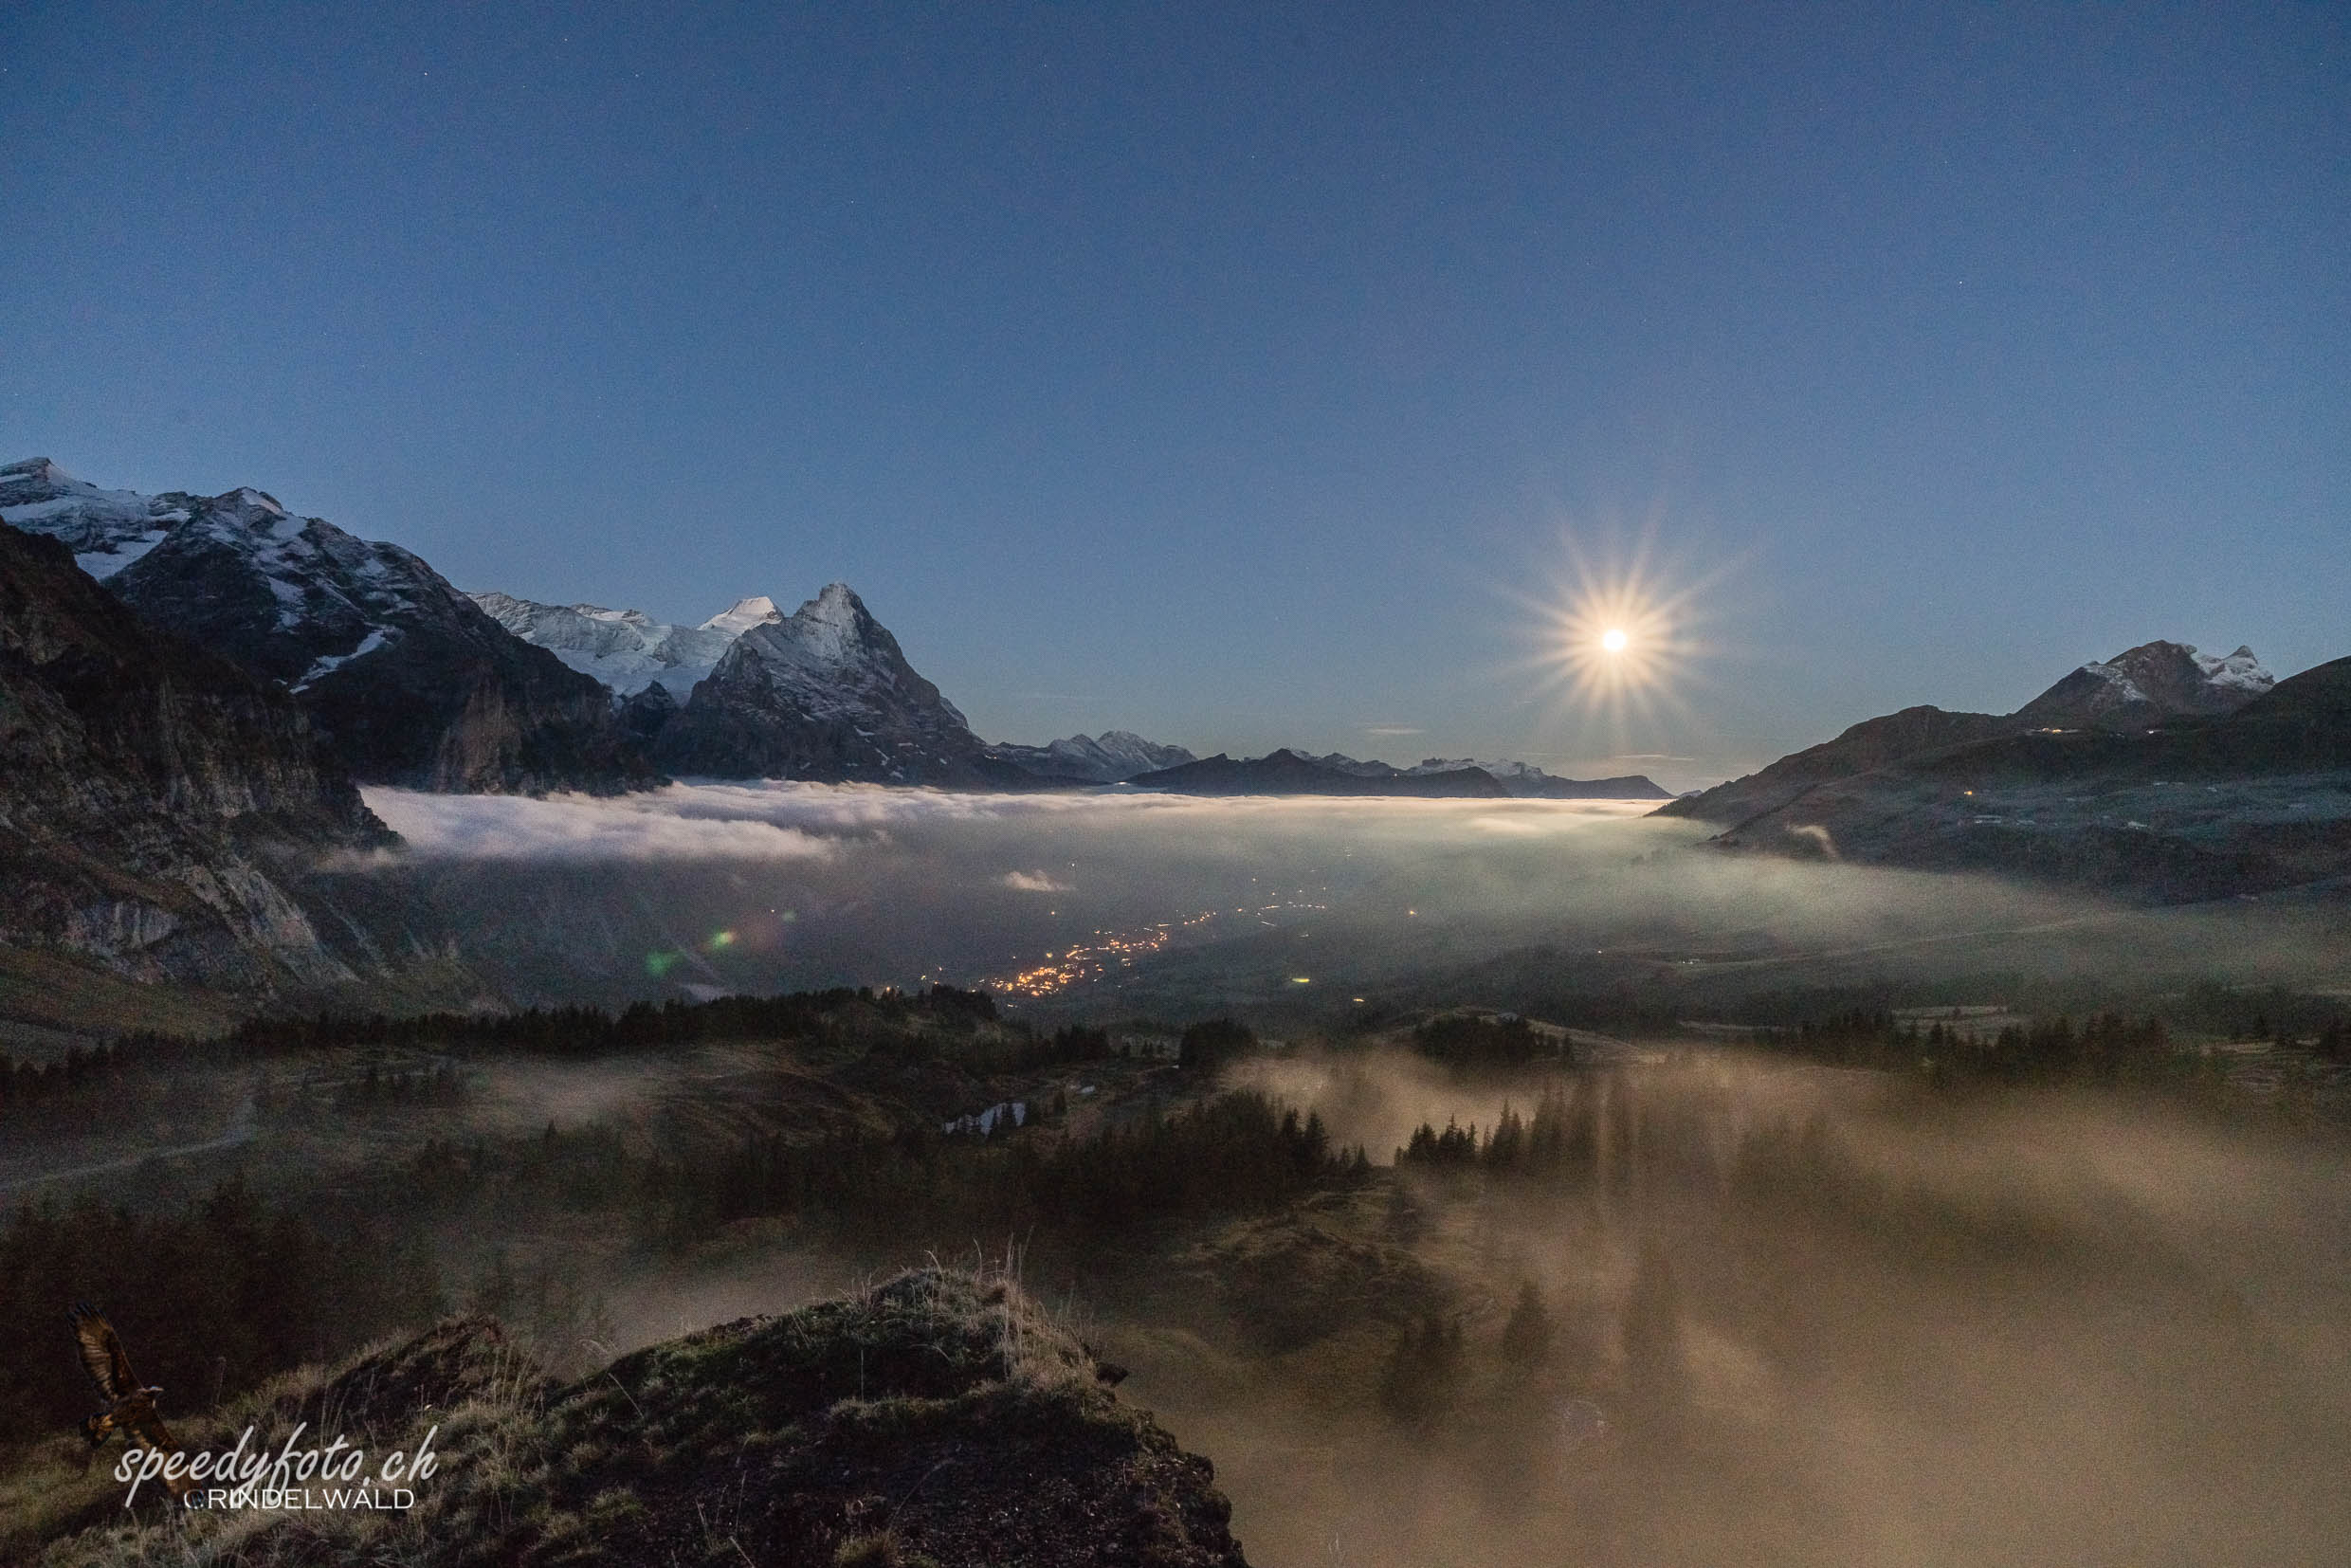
x: 1527, y: 1338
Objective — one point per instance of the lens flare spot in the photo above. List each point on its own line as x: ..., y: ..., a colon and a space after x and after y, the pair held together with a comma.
x: 659, y: 964
x: 722, y: 939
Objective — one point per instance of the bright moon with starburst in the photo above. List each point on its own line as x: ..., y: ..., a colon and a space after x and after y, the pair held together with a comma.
x: 1618, y: 642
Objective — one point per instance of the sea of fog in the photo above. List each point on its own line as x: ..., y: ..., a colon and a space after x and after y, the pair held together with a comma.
x: 1115, y: 902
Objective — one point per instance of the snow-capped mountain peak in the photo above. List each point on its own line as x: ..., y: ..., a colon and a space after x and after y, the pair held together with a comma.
x: 822, y: 693
x: 1110, y: 759
x: 627, y: 649
x: 743, y: 614
x: 2238, y: 671
x: 834, y: 627
x: 2149, y: 685
x: 106, y: 530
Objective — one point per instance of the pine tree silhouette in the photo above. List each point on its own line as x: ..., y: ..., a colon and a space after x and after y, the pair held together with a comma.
x: 1527, y: 1338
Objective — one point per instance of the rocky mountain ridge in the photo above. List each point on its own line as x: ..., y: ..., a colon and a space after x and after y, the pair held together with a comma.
x: 825, y: 694
x: 1527, y: 781
x: 161, y: 808
x: 406, y: 679
x: 626, y: 650
x: 2150, y: 683
x: 2202, y: 805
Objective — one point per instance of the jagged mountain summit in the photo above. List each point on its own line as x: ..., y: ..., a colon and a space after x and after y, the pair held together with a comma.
x: 407, y: 680
x: 626, y: 650
x: 161, y: 808
x: 824, y: 694
x: 2146, y: 685
x: 1113, y: 757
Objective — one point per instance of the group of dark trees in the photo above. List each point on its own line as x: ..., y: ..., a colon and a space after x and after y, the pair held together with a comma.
x: 208, y: 1301
x: 215, y: 1298
x: 1564, y: 1133
x: 1424, y: 1370
x: 25, y: 1083
x: 2106, y: 1047
x: 1238, y: 1152
x: 431, y: 1084
x: 593, y: 1032
x: 1469, y: 1040
x: 1209, y: 1045
x: 565, y: 1032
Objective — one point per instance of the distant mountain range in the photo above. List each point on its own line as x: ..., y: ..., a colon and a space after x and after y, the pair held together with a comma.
x: 2160, y: 771
x: 407, y: 680
x: 1287, y: 772
x: 1118, y: 756
x: 1526, y: 781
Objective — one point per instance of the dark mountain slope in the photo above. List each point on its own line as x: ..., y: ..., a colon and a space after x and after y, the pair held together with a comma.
x: 1872, y: 743
x: 407, y: 679
x: 2199, y: 808
x: 826, y: 694
x: 158, y: 806
x: 2155, y: 683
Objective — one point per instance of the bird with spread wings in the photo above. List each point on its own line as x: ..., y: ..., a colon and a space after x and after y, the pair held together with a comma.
x: 130, y: 1406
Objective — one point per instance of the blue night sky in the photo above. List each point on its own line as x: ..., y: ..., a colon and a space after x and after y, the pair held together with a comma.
x: 1243, y: 376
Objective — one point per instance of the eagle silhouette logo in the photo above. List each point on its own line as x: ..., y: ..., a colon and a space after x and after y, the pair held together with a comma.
x: 129, y: 1405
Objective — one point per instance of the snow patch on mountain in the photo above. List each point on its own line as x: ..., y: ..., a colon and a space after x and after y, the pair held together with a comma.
x: 1112, y: 757
x: 758, y: 610
x: 823, y: 693
x: 627, y: 649
x: 2149, y: 684
x: 106, y: 530
x: 2238, y: 671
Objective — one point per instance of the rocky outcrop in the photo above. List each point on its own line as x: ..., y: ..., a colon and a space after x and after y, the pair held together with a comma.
x: 825, y: 694
x: 159, y: 806
x: 936, y: 1417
